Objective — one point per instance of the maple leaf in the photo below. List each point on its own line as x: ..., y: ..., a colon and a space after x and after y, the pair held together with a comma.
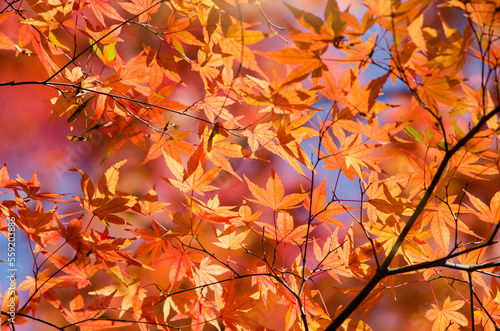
x: 179, y: 261
x: 274, y: 195
x: 102, y: 35
x: 350, y: 157
x: 109, y: 181
x: 72, y: 232
x: 491, y: 309
x: 355, y: 325
x: 284, y: 231
x: 385, y: 133
x: 214, y: 107
x: 31, y: 188
x: 211, y: 211
x: 389, y: 231
x: 208, y: 66
x: 309, y: 61
x: 384, y: 197
x: 134, y: 73
x: 349, y: 93
x: 32, y: 284
x: 245, y: 215
x: 221, y: 151
x: 4, y: 177
x: 37, y: 224
x: 6, y: 42
x: 205, y: 275
x: 447, y: 317
x: 140, y: 7
x: 101, y: 202
x: 101, y: 8
x: 154, y: 242
x: 363, y: 100
x: 290, y: 134
x: 201, y: 311
x: 197, y: 181
x: 184, y: 223
x: 150, y: 204
x: 323, y: 211
x: 50, y: 15
x: 64, y: 105
x: 331, y: 257
x: 264, y: 283
x: 260, y: 136
x: 232, y: 47
x: 294, y: 310
x: 441, y: 217
x: 218, y: 151
x: 290, y: 55
x: 234, y: 309
x: 87, y: 318
x: 307, y: 20
x: 109, y: 252
x: 229, y: 239
x: 78, y: 272
x: 334, y: 18
x: 245, y: 36
x: 176, y: 34
x: 130, y: 291
x: 173, y: 146
x: 467, y: 164
x: 123, y: 130
x: 162, y: 66
x: 144, y: 311
x: 487, y: 214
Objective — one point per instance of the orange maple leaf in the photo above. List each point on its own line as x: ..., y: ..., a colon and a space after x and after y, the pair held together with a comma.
x: 274, y: 194
x: 323, y: 211
x: 179, y: 261
x: 139, y: 6
x: 154, y: 242
x: 285, y: 230
x: 101, y: 9
x: 485, y: 213
x: 197, y: 181
x: 447, y: 317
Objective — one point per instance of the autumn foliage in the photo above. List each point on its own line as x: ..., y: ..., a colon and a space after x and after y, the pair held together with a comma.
x: 252, y: 165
